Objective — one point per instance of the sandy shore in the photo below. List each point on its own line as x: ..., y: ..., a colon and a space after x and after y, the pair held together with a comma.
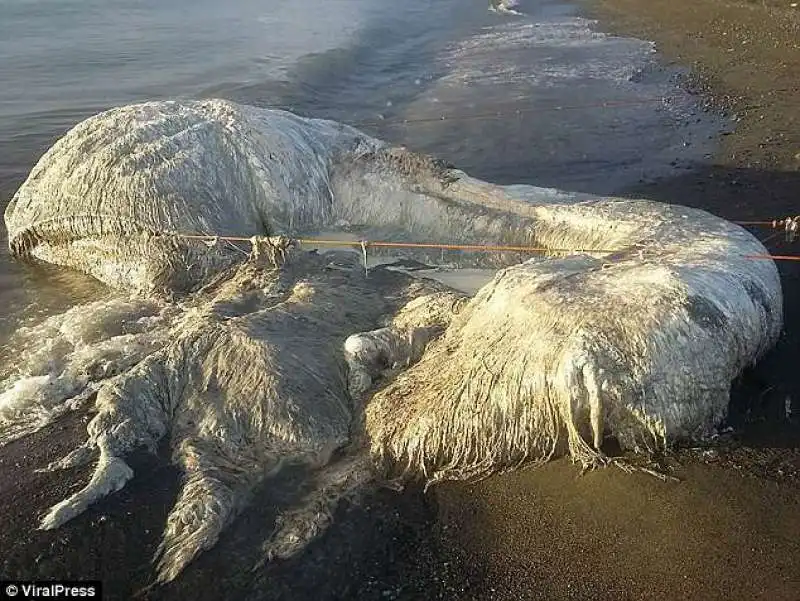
x: 746, y: 54
x: 730, y: 529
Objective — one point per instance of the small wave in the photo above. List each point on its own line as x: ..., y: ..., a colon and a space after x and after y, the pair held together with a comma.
x: 58, y: 364
x: 504, y: 7
x: 501, y: 55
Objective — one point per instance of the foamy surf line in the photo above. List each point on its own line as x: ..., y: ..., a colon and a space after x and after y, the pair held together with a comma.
x: 504, y: 7
x: 249, y: 361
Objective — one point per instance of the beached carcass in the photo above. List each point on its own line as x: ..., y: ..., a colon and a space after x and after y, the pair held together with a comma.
x: 249, y: 357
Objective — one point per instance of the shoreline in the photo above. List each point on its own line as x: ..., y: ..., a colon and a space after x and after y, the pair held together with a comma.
x: 745, y: 56
x: 729, y: 529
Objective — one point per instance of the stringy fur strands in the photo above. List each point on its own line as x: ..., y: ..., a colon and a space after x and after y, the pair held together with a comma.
x: 253, y: 381
x: 526, y: 371
x: 636, y: 334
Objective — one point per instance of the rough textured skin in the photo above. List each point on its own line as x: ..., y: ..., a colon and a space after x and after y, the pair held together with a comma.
x: 638, y: 333
x: 250, y: 377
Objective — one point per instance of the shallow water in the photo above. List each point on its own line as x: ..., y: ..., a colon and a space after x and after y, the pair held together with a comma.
x: 540, y: 98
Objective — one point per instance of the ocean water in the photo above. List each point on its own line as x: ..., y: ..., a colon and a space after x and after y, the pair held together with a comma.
x: 542, y: 97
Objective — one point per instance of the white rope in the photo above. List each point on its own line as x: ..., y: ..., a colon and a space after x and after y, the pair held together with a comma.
x: 791, y: 227
x: 364, y: 256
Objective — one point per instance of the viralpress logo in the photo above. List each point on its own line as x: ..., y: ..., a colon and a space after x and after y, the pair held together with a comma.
x: 50, y: 590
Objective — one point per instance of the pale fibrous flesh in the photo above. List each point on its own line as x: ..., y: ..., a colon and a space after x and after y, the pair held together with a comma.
x: 632, y: 326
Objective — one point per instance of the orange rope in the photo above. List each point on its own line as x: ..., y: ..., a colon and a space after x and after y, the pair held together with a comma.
x: 469, y: 247
x: 472, y: 247
x: 210, y: 237
x: 775, y: 223
x: 774, y: 257
x: 431, y: 245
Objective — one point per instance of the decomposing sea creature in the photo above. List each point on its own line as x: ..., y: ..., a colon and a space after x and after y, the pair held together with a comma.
x: 633, y: 325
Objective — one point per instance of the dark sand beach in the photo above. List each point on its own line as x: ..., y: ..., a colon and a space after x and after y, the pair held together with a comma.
x: 728, y: 529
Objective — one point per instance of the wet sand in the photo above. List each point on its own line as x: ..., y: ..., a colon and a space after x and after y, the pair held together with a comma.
x: 730, y: 529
